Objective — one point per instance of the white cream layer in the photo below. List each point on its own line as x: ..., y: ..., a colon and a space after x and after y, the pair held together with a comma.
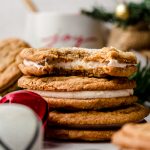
x: 86, y: 94
x: 31, y: 63
x: 79, y: 63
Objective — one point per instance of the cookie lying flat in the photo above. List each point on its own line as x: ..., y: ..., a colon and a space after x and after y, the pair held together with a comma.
x: 78, y: 61
x: 81, y: 135
x: 89, y: 104
x: 133, y: 113
x: 81, y: 92
x: 9, y: 60
x: 12, y: 88
x: 74, y: 83
x: 133, y: 136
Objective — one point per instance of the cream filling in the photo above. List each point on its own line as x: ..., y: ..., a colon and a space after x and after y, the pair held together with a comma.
x: 31, y: 63
x: 79, y: 63
x: 86, y: 94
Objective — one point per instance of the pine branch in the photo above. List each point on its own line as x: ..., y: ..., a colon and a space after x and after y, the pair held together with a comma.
x: 99, y: 13
x: 138, y: 13
x: 142, y: 78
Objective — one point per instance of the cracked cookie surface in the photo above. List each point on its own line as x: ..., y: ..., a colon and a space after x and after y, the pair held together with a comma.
x: 9, y: 60
x: 107, y: 61
x: 89, y: 104
x: 74, y: 83
x: 133, y: 113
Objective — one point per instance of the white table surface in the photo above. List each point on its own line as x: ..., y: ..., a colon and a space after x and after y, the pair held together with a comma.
x: 78, y: 146
x: 58, y: 145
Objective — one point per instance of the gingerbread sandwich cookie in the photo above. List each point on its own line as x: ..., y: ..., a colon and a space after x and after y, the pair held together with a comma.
x: 98, y: 119
x: 78, y: 93
x: 107, y: 61
x: 82, y: 134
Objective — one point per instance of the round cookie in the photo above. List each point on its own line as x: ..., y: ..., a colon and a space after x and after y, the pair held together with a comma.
x: 133, y: 136
x: 107, y: 61
x: 78, y: 93
x: 81, y: 135
x: 89, y: 104
x: 9, y: 60
x: 12, y: 88
x: 134, y: 113
x: 74, y: 83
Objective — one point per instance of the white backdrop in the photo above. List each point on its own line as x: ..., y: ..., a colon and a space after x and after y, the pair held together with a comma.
x: 13, y: 12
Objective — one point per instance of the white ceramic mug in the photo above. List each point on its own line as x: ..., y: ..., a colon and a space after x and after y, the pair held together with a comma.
x: 48, y: 29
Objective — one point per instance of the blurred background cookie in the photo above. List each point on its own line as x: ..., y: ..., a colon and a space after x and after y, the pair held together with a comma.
x: 133, y: 136
x: 9, y: 59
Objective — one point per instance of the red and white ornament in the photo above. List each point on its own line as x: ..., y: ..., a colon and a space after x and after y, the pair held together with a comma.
x: 30, y: 99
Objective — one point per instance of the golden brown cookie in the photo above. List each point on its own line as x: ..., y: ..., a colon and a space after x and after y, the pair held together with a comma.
x: 133, y: 113
x: 89, y: 104
x: 81, y: 92
x: 107, y: 61
x: 74, y: 83
x: 133, y: 136
x: 12, y: 88
x: 9, y: 60
x: 80, y: 135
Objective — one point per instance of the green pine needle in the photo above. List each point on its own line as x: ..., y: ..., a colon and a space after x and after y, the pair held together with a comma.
x: 142, y: 78
x: 139, y: 12
x: 99, y: 13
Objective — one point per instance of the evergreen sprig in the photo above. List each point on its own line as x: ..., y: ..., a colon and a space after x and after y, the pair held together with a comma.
x: 138, y: 12
x: 142, y: 78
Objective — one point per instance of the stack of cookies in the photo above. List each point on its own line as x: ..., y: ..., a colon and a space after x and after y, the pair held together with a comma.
x: 88, y: 91
x: 9, y: 60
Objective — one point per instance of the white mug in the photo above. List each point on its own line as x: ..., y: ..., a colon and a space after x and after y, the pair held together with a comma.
x: 48, y: 29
